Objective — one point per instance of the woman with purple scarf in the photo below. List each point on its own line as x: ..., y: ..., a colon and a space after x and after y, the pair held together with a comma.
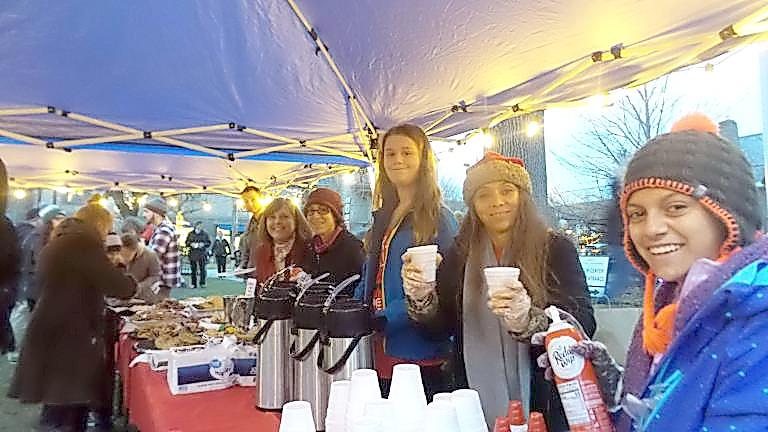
x: 699, y: 353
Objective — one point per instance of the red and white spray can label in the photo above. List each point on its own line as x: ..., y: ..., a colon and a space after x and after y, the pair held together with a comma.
x: 576, y: 382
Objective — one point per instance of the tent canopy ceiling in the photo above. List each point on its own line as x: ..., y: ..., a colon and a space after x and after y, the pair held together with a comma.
x: 316, y: 81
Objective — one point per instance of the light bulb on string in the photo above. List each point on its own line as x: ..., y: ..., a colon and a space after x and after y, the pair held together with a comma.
x: 240, y: 203
x: 348, y: 178
x: 207, y: 207
x: 173, y: 202
x: 533, y: 129
x: 104, y: 202
x: 20, y: 194
x: 480, y: 138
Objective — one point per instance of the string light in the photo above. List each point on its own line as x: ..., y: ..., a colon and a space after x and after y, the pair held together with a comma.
x: 20, y: 193
x: 104, y: 202
x: 533, y: 129
x: 480, y: 138
x: 348, y: 178
x: 240, y: 203
x: 207, y: 207
x: 173, y: 202
x: 600, y: 100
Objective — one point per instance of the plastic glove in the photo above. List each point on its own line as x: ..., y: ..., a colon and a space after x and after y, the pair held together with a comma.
x: 414, y: 284
x: 512, y: 305
x: 609, y: 374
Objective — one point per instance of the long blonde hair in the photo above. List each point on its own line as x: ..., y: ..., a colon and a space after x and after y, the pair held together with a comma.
x: 426, y: 209
x: 529, y: 249
x: 301, y: 229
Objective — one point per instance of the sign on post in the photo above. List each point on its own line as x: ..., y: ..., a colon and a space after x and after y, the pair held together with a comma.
x: 596, y: 271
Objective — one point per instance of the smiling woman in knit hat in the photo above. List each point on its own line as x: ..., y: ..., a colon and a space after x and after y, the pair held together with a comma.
x: 698, y: 356
x: 336, y: 250
x: 493, y: 328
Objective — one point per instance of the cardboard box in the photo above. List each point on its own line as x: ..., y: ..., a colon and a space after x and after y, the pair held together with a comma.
x: 200, y: 368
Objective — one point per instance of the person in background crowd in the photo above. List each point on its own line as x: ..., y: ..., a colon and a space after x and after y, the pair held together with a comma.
x: 410, y: 212
x: 698, y: 356
x: 283, y: 239
x: 49, y: 217
x: 336, y: 250
x: 250, y: 196
x: 114, y: 246
x: 63, y: 360
x: 221, y: 250
x: 10, y: 262
x: 198, y: 242
x: 144, y: 266
x: 502, y: 228
x: 132, y: 225
x: 164, y: 242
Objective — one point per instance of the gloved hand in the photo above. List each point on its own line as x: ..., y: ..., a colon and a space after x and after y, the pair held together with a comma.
x: 512, y: 305
x: 609, y: 374
x: 414, y: 284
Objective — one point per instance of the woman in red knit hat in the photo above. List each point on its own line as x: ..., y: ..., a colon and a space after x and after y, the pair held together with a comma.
x: 335, y: 250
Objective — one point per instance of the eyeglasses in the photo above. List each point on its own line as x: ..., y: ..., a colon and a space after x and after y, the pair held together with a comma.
x: 320, y: 210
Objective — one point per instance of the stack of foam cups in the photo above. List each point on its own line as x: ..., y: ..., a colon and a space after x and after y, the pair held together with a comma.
x: 441, y: 417
x: 498, y: 278
x: 338, y: 399
x: 425, y: 258
x: 407, y: 396
x: 365, y: 424
x: 364, y: 388
x: 379, y: 410
x: 469, y: 411
x: 297, y: 417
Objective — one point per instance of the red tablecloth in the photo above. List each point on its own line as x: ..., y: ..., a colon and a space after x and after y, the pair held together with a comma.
x: 152, y: 407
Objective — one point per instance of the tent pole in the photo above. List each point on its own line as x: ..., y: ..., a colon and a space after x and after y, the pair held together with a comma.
x: 23, y: 138
x: 23, y: 111
x: 249, y: 153
x: 333, y: 151
x: 269, y: 135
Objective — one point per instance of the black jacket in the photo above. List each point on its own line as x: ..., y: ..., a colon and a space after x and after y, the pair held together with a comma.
x: 201, y: 237
x: 568, y: 289
x: 221, y: 247
x: 10, y: 257
x: 343, y: 259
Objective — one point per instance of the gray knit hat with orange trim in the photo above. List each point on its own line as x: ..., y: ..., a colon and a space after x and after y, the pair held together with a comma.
x: 695, y: 161
x: 495, y: 167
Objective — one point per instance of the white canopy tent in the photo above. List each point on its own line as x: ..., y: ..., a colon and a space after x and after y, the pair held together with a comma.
x: 208, y: 95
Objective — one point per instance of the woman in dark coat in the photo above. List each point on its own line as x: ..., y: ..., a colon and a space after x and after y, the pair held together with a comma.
x: 10, y: 262
x: 63, y: 358
x: 493, y: 327
x: 335, y: 249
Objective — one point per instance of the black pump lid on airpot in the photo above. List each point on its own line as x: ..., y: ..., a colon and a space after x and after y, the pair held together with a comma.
x: 274, y: 304
x: 308, y: 313
x: 348, y: 318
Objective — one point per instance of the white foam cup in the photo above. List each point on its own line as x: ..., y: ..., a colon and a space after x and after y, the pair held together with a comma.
x: 441, y: 417
x: 498, y: 278
x: 469, y: 411
x: 297, y: 417
x: 425, y: 258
